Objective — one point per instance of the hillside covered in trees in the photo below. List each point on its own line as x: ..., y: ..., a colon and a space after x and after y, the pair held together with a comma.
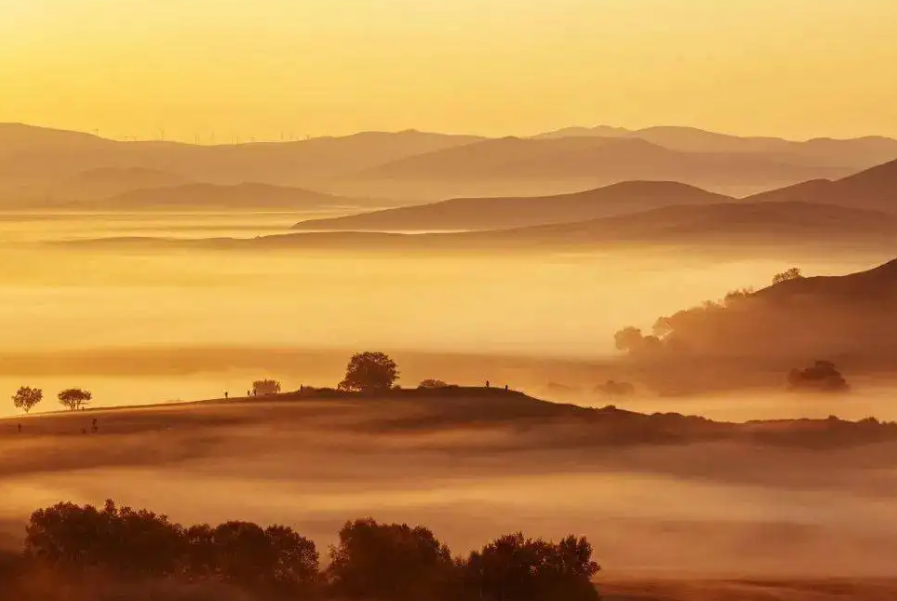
x: 848, y: 319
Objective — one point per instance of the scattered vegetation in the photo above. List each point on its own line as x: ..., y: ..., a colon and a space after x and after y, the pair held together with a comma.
x: 789, y: 274
x: 387, y: 562
x: 430, y: 383
x: 74, y: 399
x: 370, y: 372
x: 265, y: 387
x: 822, y: 376
x: 27, y: 398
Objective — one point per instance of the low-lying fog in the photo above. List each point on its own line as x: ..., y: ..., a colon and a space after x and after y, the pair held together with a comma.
x: 148, y: 327
x: 714, y: 508
x: 154, y: 327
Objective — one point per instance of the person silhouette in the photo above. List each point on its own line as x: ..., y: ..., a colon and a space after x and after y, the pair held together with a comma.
x: 487, y: 383
x: 225, y: 394
x: 94, y: 426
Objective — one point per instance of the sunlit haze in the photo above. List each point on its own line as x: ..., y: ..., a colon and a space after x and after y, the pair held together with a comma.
x: 221, y: 70
x: 319, y: 300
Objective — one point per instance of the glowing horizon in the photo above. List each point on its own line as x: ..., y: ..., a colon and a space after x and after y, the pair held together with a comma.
x: 270, y: 68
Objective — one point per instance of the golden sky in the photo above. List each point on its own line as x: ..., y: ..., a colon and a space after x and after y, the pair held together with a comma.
x: 796, y: 68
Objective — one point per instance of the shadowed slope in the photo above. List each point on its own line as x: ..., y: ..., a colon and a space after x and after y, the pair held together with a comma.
x: 874, y: 189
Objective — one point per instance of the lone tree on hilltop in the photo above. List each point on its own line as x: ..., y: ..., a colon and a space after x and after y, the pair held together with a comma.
x: 370, y: 372
x: 26, y: 398
x: 265, y: 387
x: 789, y: 274
x: 74, y: 398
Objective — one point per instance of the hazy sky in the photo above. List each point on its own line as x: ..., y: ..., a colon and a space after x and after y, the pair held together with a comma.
x: 798, y: 68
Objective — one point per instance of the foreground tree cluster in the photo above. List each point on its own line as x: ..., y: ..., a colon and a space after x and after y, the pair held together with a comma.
x: 387, y: 562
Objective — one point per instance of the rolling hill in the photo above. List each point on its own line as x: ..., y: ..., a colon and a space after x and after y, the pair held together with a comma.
x: 503, y: 213
x: 847, y: 319
x: 600, y: 161
x: 874, y: 188
x: 724, y: 229
x: 780, y: 223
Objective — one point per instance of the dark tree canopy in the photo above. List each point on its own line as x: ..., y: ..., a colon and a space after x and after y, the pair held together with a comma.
x: 27, y: 398
x: 789, y: 274
x: 74, y: 398
x: 515, y: 568
x: 265, y: 387
x: 370, y: 372
x: 822, y: 376
x: 142, y: 543
x: 372, y: 561
x: 392, y: 562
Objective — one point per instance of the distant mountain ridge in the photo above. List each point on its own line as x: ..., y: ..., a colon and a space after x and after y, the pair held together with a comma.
x: 36, y: 162
x: 598, y: 160
x: 860, y: 152
x: 30, y: 156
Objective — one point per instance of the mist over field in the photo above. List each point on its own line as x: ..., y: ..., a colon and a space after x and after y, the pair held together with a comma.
x: 448, y: 300
x: 160, y: 325
x: 312, y: 464
x: 155, y: 325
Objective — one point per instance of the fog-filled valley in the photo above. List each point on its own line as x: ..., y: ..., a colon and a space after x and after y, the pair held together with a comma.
x: 699, y: 381
x: 193, y: 323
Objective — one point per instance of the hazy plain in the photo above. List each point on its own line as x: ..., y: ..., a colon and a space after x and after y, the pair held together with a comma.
x: 154, y: 326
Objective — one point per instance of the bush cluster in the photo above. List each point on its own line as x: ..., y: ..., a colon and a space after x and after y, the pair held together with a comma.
x: 386, y: 562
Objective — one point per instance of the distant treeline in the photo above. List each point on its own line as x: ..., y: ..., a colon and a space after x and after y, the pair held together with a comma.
x: 88, y: 547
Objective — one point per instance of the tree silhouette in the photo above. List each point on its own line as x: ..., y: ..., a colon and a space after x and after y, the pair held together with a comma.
x: 370, y: 372
x: 789, y: 274
x: 822, y: 376
x: 430, y: 383
x: 628, y: 339
x: 74, y: 398
x: 265, y: 387
x: 142, y: 543
x: 521, y: 569
x: 391, y: 562
x: 26, y: 398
